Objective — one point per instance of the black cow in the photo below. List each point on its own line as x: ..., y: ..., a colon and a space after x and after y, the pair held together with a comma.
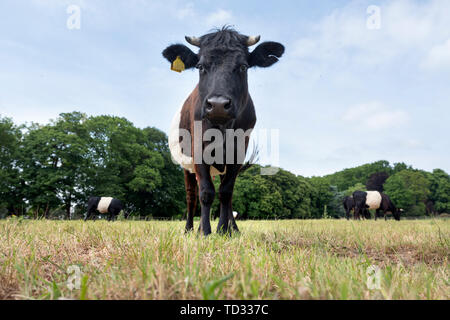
x: 365, y: 200
x: 221, y: 102
x: 104, y: 205
x: 349, y: 205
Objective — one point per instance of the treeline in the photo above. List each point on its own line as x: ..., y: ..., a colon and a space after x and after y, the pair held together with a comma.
x: 46, y: 169
x: 51, y: 170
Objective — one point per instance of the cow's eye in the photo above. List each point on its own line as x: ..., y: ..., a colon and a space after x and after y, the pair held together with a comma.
x: 243, y: 68
x: 200, y: 68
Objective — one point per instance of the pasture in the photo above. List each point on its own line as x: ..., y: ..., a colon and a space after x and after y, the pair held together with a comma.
x: 290, y: 259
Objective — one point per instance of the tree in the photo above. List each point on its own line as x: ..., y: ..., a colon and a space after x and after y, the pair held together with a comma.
x: 335, y: 207
x: 321, y: 195
x: 54, y: 162
x: 257, y: 198
x: 349, y: 177
x: 127, y: 164
x: 376, y: 181
x: 408, y: 189
x: 11, y: 186
x: 168, y: 199
x: 440, y: 190
x: 357, y: 187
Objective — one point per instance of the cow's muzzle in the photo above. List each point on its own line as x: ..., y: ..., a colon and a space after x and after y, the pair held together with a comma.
x: 218, y: 109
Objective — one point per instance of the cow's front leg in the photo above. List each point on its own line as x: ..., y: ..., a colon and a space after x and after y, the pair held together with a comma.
x: 225, y: 197
x: 207, y: 193
x: 377, y: 214
x: 89, y: 213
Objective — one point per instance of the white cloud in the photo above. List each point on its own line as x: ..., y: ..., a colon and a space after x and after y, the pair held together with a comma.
x: 438, y: 58
x: 186, y: 12
x: 374, y: 115
x: 408, y: 29
x: 219, y: 18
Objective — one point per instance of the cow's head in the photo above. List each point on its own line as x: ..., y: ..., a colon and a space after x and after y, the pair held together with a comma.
x: 222, y: 61
x: 397, y: 214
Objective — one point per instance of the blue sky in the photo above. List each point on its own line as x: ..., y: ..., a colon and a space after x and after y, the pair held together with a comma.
x: 343, y: 94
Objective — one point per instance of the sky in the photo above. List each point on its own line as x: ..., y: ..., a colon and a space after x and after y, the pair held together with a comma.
x: 357, y: 83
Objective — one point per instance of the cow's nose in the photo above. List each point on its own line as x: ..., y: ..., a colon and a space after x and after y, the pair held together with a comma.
x: 218, y: 105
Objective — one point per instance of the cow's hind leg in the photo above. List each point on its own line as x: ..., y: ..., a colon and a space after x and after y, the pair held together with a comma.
x: 356, y: 214
x: 191, y: 198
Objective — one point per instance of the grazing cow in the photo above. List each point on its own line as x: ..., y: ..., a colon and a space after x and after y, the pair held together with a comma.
x: 374, y: 200
x: 104, y: 205
x: 220, y: 102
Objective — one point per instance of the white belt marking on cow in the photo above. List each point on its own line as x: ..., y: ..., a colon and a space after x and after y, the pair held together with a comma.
x: 373, y: 199
x: 175, y: 148
x: 103, y: 205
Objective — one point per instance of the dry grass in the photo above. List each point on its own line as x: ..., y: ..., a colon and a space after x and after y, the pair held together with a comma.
x: 301, y: 259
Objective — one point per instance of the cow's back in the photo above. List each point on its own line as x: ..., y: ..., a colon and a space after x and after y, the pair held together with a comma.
x: 183, y: 119
x: 104, y: 203
x: 373, y: 199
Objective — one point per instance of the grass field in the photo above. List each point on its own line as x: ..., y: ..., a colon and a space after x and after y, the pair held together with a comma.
x: 300, y: 259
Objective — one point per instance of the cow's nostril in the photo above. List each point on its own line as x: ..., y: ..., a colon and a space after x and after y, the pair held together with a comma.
x: 209, y: 107
x: 220, y: 103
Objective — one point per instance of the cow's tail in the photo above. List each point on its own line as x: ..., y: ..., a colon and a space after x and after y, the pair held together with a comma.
x: 252, y: 160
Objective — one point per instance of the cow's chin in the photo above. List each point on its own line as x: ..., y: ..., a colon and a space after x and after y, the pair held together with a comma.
x: 221, y: 124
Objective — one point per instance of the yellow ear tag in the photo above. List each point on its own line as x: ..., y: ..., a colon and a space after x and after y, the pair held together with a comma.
x: 178, y: 65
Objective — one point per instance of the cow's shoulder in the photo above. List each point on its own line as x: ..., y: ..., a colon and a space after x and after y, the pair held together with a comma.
x: 247, y: 120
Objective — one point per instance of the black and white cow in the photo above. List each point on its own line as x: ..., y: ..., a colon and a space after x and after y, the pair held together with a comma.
x: 104, y: 205
x: 374, y: 200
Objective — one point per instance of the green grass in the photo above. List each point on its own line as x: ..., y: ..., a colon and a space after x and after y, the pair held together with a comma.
x: 295, y: 259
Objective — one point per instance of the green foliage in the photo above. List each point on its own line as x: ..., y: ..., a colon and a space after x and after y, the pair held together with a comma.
x: 440, y: 190
x: 408, y: 189
x: 321, y: 195
x: 61, y: 164
x: 257, y: 198
x: 357, y: 187
x: 47, y: 170
x: 10, y: 182
x: 335, y: 207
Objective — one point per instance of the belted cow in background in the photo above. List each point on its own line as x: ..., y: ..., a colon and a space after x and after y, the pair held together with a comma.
x: 374, y: 200
x: 104, y: 205
x: 221, y: 102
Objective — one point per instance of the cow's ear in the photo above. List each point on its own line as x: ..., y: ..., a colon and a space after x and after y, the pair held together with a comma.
x: 266, y: 54
x: 189, y: 58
